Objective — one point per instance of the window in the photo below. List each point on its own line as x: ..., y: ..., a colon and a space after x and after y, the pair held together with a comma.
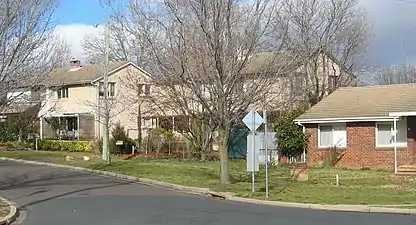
x: 332, y: 82
x: 72, y: 123
x: 111, y: 89
x: 332, y: 135
x: 144, y: 89
x: 385, y: 135
x: 62, y: 92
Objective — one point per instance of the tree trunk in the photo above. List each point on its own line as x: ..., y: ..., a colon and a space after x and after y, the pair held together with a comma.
x: 223, y: 151
x: 20, y: 133
x: 139, y: 128
x: 203, y: 156
x: 169, y: 147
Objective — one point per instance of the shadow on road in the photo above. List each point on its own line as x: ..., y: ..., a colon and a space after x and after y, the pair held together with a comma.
x: 42, y: 184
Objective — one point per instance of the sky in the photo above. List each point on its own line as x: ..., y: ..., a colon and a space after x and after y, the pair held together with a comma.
x: 392, y: 41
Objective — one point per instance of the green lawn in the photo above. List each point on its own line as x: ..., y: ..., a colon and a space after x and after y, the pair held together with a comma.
x: 356, y: 186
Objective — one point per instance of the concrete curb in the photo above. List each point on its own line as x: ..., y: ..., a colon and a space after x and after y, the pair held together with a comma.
x: 13, y: 213
x: 228, y: 196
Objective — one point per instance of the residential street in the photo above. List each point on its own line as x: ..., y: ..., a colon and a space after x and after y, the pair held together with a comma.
x: 53, y: 196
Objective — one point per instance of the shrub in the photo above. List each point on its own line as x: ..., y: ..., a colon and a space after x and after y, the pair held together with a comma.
x: 331, y: 157
x: 9, y: 130
x: 7, y: 143
x: 64, y: 145
x: 119, y: 134
x: 290, y: 137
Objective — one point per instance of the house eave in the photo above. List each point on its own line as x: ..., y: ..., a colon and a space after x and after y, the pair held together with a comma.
x: 398, y: 114
x: 345, y: 120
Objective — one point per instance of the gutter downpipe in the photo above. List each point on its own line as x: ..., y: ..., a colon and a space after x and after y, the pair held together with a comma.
x: 304, y: 150
x: 395, y: 143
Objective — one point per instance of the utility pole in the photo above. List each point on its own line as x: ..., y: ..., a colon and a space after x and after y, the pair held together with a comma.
x: 106, y: 151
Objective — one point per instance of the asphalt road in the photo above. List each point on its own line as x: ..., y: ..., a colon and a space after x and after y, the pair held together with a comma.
x: 51, y: 196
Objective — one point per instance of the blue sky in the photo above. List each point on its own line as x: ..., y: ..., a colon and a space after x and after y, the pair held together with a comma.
x: 79, y: 12
x: 393, y: 26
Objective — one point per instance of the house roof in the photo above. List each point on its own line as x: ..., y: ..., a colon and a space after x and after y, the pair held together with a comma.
x: 284, y: 61
x: 17, y: 108
x: 369, y: 101
x: 274, y: 61
x: 86, y: 74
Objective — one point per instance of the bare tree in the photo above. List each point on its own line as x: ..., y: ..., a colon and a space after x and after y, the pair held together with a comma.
x: 124, y: 45
x: 28, y: 47
x: 202, y: 52
x: 30, y: 52
x: 398, y: 74
x: 327, y: 31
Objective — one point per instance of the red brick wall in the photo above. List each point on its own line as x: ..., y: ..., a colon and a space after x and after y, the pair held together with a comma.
x: 361, y: 150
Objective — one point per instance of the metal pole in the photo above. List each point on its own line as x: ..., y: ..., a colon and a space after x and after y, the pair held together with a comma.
x: 266, y: 152
x: 395, y: 144
x: 78, y: 123
x: 254, y: 150
x: 106, y: 152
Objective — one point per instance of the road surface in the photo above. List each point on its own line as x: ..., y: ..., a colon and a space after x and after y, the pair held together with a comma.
x: 51, y: 196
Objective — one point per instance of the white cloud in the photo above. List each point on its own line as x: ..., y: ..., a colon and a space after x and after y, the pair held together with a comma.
x: 73, y: 34
x: 393, y: 27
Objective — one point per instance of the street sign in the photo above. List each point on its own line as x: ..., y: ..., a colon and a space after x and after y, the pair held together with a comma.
x: 119, y: 143
x: 253, y: 153
x: 253, y: 120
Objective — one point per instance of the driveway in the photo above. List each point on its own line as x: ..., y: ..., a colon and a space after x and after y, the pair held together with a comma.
x: 51, y: 196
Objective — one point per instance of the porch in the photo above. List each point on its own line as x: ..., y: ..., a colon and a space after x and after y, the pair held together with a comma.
x: 67, y: 127
x: 403, y: 136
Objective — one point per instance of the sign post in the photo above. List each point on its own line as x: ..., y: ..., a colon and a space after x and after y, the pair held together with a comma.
x: 266, y: 152
x: 253, y: 120
x: 253, y: 129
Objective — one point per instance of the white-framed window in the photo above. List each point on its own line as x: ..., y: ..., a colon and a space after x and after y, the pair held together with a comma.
x: 385, y: 134
x: 330, y: 135
x: 62, y: 92
x: 144, y: 89
x: 111, y: 89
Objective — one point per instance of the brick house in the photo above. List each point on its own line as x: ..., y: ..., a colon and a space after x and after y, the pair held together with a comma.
x: 360, y: 122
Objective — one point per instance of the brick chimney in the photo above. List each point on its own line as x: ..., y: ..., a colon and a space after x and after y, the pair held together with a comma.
x: 74, y: 64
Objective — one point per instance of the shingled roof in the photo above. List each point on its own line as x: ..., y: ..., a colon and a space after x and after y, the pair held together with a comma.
x: 86, y: 74
x: 369, y: 101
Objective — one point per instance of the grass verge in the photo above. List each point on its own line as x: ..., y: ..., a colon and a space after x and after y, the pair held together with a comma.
x: 356, y: 186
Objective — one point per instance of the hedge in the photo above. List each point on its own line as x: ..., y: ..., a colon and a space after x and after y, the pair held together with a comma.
x: 63, y: 145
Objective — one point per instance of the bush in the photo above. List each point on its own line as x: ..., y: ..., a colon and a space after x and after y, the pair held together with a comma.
x: 7, y: 143
x: 63, y: 145
x: 155, y: 140
x: 119, y: 134
x: 331, y: 157
x: 290, y: 137
x: 9, y: 130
